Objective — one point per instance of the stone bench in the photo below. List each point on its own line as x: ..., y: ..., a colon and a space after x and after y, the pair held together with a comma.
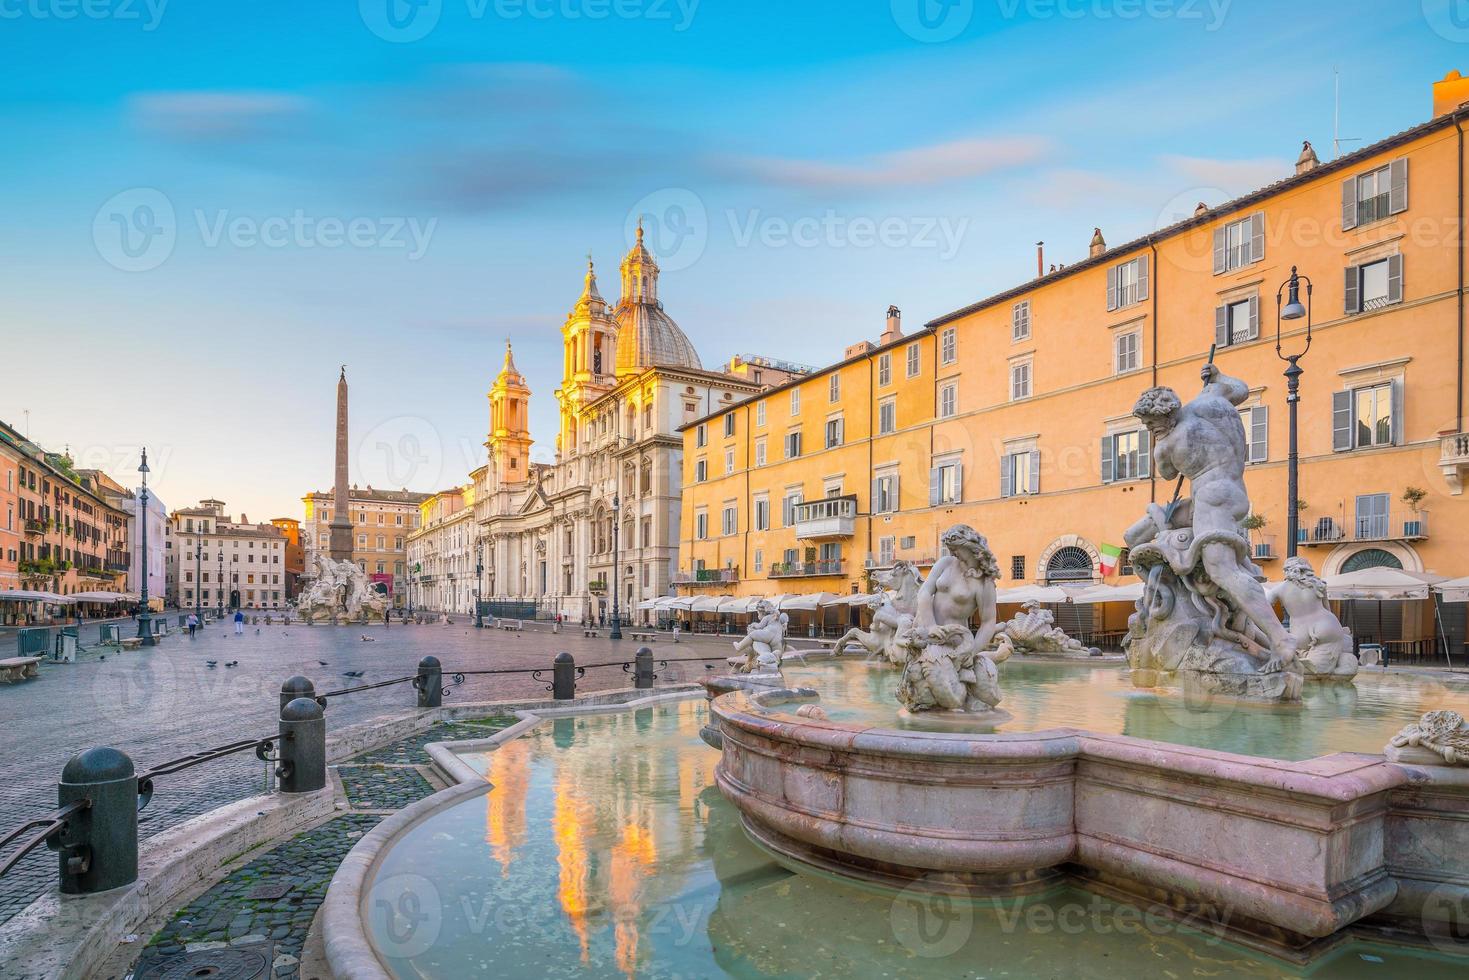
x: 645, y: 637
x: 132, y: 642
x: 511, y: 624
x: 590, y: 633
x: 16, y: 669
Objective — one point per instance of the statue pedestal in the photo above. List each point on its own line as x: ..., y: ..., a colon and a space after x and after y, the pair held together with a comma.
x: 967, y: 721
x: 1176, y: 655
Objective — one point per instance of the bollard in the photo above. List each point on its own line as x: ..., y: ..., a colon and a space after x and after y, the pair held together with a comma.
x: 296, y: 687
x: 302, y: 752
x: 430, y: 683
x: 642, y: 672
x: 98, y: 849
x: 563, y: 677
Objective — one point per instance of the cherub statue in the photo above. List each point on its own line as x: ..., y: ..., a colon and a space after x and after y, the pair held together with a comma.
x: 760, y: 650
x: 1325, y: 644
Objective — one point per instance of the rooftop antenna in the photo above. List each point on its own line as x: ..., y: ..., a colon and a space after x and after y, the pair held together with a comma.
x: 27, y: 413
x: 1337, y: 139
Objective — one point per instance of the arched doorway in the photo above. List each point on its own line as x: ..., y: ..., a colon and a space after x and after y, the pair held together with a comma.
x: 1371, y: 558
x: 1069, y: 564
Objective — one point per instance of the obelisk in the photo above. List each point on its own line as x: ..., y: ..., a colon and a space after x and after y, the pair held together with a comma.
x: 341, y: 523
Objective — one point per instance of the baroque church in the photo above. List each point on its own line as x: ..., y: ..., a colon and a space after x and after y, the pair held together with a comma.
x: 630, y: 378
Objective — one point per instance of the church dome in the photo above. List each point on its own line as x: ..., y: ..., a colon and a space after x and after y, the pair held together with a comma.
x: 646, y: 335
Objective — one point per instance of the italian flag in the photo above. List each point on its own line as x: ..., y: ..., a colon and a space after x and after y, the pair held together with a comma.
x: 1111, y: 554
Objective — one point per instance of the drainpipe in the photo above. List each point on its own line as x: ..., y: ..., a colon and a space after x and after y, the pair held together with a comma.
x: 871, y: 435
x: 1459, y: 389
x: 1153, y: 329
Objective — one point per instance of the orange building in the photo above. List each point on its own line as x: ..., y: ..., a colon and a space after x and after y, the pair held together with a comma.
x: 1014, y: 414
x: 295, y: 564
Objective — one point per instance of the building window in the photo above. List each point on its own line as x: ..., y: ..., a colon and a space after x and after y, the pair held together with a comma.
x: 1126, y: 456
x: 729, y: 425
x: 1020, y: 473
x: 1374, y: 285
x: 1017, y: 567
x: 759, y: 560
x: 1020, y: 386
x: 793, y: 445
x: 833, y: 433
x: 1375, y: 195
x: 760, y: 413
x: 946, y: 483
x: 1257, y: 433
x: 1020, y: 321
x: 728, y: 521
x: 1239, y: 243
x: 948, y: 346
x: 885, y: 369
x: 729, y: 461
x: 887, y: 417
x: 1126, y: 353
x: 834, y: 388
x: 701, y: 470
x: 1127, y: 283
x: 701, y: 526
x: 761, y: 511
x: 948, y: 400
x: 885, y: 494
x: 701, y: 435
x: 1237, y: 322
x: 788, y: 508
x: 885, y: 551
x: 913, y: 360
x: 1372, y: 518
x: 759, y: 452
x: 1364, y: 417
x: 795, y: 401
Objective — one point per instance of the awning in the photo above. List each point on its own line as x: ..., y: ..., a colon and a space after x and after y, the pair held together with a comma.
x: 807, y: 603
x: 682, y: 602
x: 101, y: 597
x: 1454, y: 590
x: 850, y: 599
x: 651, y: 603
x: 26, y: 595
x: 708, y: 603
x: 1108, y: 593
x: 743, y: 605
x: 1021, y: 594
x: 1382, y: 583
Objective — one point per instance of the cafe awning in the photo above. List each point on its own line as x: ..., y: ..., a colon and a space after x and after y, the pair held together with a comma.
x: 708, y: 603
x: 101, y: 597
x: 26, y: 595
x: 1381, y: 583
x: 1454, y: 590
x: 807, y: 603
x: 740, y: 605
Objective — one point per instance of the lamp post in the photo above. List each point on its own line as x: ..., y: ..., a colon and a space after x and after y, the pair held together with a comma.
x: 615, y: 633
x: 198, y: 579
x: 479, y: 574
x: 219, y: 591
x: 1292, y: 310
x: 145, y: 619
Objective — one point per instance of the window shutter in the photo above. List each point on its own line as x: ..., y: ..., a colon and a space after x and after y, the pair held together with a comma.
x: 874, y: 502
x: 1111, y: 288
x: 958, y: 482
x: 1397, y: 201
x: 1221, y: 326
x: 1221, y: 263
x: 1254, y: 317
x: 1349, y: 204
x: 1257, y: 236
x: 1353, y: 291
x: 1107, y: 460
x: 1007, y: 476
x: 1144, y: 453
x: 1035, y: 471
x: 1395, y: 278
x: 1341, y: 421
x: 1259, y: 434
x: 896, y: 503
x: 933, y: 486
x: 1397, y: 412
x: 1142, y: 277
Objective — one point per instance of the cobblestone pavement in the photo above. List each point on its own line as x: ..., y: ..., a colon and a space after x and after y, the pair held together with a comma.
x: 166, y: 702
x: 227, y: 914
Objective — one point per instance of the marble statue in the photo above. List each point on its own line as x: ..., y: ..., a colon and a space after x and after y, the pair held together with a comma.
x: 339, y: 591
x: 1442, y: 733
x: 1204, y: 617
x: 1324, y: 645
x: 946, y: 667
x: 1035, y: 631
x: 764, y: 643
x: 892, y: 603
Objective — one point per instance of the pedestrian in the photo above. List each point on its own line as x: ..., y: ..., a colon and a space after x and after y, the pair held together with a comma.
x: 387, y: 618
x: 239, y: 623
x: 193, y: 625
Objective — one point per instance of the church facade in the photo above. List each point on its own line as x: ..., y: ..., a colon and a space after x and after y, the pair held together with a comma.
x: 630, y: 378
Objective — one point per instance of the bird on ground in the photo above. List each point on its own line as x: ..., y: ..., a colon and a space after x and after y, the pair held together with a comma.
x: 353, y: 673
x: 211, y: 663
x: 368, y: 639
x: 323, y: 663
x: 231, y: 663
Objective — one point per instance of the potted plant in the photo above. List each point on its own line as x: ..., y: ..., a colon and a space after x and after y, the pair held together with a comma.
x: 1413, y: 497
x: 1252, y: 523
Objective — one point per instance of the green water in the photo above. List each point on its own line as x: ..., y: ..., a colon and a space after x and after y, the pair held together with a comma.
x: 1332, y: 717
x: 605, y: 850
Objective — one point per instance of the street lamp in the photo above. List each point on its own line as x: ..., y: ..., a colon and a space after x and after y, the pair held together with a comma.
x: 145, y: 620
x: 198, y: 578
x: 479, y: 575
x: 616, y: 632
x: 219, y: 586
x: 1292, y: 310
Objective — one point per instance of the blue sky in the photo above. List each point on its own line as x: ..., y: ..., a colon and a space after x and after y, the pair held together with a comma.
x: 208, y: 207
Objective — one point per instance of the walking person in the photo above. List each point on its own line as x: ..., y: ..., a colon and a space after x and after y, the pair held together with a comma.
x: 239, y: 622
x: 193, y: 623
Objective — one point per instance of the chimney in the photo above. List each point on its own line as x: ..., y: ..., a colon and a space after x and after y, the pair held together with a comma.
x: 1040, y: 259
x: 1200, y: 209
x: 1098, y: 245
x: 1450, y: 93
x: 894, y: 329
x: 1308, y: 160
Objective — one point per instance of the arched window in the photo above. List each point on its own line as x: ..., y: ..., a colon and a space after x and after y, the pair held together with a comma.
x: 1371, y: 558
x: 1069, y: 564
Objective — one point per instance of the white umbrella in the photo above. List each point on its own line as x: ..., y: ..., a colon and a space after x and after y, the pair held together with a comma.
x: 1454, y: 590
x: 648, y: 604
x: 741, y: 605
x: 708, y: 603
x: 1109, y: 593
x: 805, y: 602
x: 100, y: 597
x: 682, y: 602
x: 1021, y: 594
x: 1381, y: 583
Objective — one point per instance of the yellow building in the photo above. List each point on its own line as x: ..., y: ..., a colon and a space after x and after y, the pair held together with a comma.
x: 1014, y: 414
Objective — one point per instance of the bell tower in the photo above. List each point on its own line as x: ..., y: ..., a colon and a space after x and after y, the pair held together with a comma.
x: 589, y: 344
x: 510, y: 440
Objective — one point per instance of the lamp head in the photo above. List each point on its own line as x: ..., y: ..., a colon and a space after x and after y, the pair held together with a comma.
x: 143, y: 466
x: 1293, y: 309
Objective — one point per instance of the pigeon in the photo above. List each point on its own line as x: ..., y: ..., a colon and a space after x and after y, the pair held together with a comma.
x: 211, y: 663
x: 353, y: 673
x: 368, y: 639
x: 323, y: 663
x: 231, y: 663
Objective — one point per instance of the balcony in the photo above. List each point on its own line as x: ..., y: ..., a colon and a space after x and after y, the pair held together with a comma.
x: 36, y: 527
x: 826, y: 519
x: 707, y: 576
x: 1365, y: 528
x: 1453, y: 460
x: 808, y: 569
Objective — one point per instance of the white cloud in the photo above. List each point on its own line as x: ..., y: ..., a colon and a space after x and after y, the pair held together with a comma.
x: 924, y: 166
x: 216, y: 116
